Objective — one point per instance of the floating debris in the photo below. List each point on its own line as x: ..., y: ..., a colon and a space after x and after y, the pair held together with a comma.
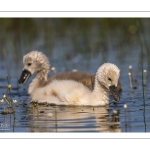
x: 5, y: 112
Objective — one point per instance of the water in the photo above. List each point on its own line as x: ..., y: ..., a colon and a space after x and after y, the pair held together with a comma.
x: 83, y: 46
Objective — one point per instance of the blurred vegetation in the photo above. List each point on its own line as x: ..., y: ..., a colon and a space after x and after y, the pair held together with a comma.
x: 73, y: 36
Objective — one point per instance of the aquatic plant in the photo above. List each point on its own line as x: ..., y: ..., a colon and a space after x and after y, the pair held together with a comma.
x: 130, y: 78
x: 53, y: 70
x: 11, y: 103
x: 145, y: 75
x: 9, y: 91
x: 143, y: 89
x: 125, y: 117
x: 142, y: 53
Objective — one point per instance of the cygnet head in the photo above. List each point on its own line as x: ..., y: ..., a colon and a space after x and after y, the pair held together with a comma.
x: 107, y: 76
x: 33, y: 62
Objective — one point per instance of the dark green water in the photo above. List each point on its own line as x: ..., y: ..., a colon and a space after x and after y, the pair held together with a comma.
x: 82, y: 44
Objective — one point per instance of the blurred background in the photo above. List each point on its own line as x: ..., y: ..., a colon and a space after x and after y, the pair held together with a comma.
x: 75, y: 43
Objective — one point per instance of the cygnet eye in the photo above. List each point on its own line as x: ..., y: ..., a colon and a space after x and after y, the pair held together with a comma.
x: 109, y: 79
x: 29, y: 64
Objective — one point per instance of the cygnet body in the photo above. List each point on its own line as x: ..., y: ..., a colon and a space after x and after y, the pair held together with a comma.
x: 69, y: 92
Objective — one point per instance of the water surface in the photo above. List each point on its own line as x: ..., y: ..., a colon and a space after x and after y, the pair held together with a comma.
x: 82, y: 44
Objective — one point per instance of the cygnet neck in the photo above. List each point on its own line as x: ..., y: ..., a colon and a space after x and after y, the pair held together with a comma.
x: 43, y: 75
x: 100, y: 90
x: 40, y: 80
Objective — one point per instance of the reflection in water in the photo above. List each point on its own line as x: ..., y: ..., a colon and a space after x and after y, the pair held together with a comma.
x: 81, y: 119
x: 73, y: 119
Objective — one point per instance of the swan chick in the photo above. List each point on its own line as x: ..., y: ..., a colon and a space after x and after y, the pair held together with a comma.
x: 69, y: 92
x: 33, y: 62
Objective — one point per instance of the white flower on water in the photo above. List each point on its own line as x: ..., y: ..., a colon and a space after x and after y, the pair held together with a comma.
x: 9, y: 86
x: 125, y: 106
x: 129, y: 74
x: 53, y: 69
x: 2, y: 101
x: 4, y: 96
x: 14, y: 101
x: 130, y: 67
x: 115, y: 111
x: 74, y: 70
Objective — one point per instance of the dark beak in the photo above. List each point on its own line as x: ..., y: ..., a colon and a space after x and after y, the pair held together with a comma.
x: 114, y: 93
x: 24, y: 76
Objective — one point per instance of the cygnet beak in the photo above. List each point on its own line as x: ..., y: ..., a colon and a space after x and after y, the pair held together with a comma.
x: 114, y: 92
x: 24, y: 76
